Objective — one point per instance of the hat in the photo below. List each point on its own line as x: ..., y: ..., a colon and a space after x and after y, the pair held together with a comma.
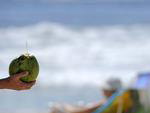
x: 112, y: 84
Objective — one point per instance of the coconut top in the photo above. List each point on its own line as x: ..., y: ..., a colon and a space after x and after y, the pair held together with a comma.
x: 27, y: 55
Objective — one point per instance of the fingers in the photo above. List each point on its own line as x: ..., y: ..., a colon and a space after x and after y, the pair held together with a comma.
x: 29, y: 83
x: 22, y: 74
x: 25, y: 86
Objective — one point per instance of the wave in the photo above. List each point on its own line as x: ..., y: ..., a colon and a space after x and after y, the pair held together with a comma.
x: 82, y: 55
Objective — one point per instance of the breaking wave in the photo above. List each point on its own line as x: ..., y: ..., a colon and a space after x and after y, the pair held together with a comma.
x: 77, y: 56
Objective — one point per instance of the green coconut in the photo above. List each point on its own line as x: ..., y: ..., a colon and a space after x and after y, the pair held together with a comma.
x: 25, y: 63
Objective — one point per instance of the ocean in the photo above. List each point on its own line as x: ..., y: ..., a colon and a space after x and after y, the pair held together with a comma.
x: 79, y: 44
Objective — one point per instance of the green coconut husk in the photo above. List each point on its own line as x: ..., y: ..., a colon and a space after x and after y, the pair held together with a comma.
x: 25, y: 63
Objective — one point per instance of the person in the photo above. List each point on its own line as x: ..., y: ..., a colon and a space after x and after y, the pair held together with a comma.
x: 14, y: 82
x: 109, y: 88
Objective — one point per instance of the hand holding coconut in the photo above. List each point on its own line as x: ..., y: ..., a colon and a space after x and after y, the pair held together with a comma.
x: 23, y: 73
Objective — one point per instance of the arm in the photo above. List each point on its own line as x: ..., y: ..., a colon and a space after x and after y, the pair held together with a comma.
x: 14, y: 82
x: 87, y: 110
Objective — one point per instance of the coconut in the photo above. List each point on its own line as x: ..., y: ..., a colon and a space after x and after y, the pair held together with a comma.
x: 23, y: 63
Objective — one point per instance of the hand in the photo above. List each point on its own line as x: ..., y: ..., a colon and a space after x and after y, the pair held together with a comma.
x: 14, y: 82
x: 57, y: 108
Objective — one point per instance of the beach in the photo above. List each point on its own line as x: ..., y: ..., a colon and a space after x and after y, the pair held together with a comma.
x: 79, y: 44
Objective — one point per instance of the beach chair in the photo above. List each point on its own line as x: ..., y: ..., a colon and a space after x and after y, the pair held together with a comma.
x: 128, y: 100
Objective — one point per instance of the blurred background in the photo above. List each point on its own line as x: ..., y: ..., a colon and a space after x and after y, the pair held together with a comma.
x: 78, y: 43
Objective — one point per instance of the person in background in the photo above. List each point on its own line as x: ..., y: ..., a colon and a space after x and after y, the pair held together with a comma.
x: 14, y: 82
x: 109, y: 88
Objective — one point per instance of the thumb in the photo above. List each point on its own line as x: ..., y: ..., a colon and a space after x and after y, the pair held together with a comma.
x: 22, y: 74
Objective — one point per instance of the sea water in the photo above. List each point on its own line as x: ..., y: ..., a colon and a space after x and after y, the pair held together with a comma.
x: 79, y: 44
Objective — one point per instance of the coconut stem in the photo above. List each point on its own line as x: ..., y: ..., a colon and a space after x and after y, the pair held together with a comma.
x: 27, y: 53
